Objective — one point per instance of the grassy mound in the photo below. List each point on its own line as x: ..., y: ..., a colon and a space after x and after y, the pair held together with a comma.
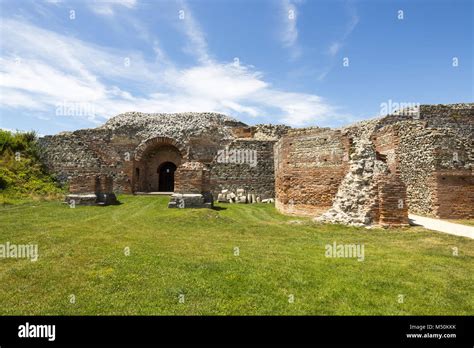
x: 22, y: 176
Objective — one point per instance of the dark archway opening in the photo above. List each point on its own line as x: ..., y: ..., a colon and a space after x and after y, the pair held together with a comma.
x: 166, y: 177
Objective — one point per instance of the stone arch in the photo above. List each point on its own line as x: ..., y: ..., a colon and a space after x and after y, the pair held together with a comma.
x: 150, y: 155
x: 159, y: 141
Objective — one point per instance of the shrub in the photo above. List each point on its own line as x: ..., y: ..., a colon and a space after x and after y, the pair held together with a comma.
x: 21, y: 172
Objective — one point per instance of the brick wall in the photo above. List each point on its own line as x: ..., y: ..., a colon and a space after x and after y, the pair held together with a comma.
x: 454, y: 194
x: 111, y: 150
x: 82, y: 184
x: 91, y: 183
x: 310, y: 165
x: 192, y: 177
x: 393, y: 210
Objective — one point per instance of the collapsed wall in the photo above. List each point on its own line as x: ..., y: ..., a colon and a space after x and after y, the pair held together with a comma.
x: 418, y: 162
x: 371, y: 191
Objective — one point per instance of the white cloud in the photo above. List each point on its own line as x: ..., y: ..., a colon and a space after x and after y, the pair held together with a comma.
x: 107, y: 7
x: 8, y: 129
x: 219, y: 81
x: 289, y: 34
x: 54, y: 68
x: 197, y: 41
x: 336, y: 46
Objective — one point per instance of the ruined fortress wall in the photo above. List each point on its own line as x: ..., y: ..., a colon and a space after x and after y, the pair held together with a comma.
x: 246, y: 164
x: 434, y: 153
x: 454, y: 197
x: 426, y: 160
x: 310, y: 165
x: 130, y: 147
x: 424, y: 163
x: 89, y: 152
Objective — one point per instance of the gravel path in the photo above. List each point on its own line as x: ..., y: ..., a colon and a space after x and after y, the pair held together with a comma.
x: 442, y: 226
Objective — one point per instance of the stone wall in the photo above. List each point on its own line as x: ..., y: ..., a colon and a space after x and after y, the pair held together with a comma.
x: 420, y: 163
x: 92, y: 151
x: 192, y: 177
x: 310, y: 165
x: 356, y: 174
x: 131, y: 147
x: 245, y: 164
x: 357, y: 200
x: 440, y: 140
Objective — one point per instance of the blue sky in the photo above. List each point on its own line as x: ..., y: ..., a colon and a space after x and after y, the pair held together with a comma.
x: 68, y: 64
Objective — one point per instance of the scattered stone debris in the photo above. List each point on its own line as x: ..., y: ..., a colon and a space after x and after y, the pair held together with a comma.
x: 241, y: 196
x: 356, y: 198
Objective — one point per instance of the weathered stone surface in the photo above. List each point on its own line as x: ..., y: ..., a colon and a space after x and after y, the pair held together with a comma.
x: 190, y: 200
x: 91, y: 189
x: 395, y: 163
x: 192, y: 188
x: 371, y: 172
x: 132, y: 146
x: 310, y: 165
x: 81, y: 199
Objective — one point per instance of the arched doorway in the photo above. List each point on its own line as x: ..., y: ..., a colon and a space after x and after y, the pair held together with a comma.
x: 166, y: 177
x: 155, y: 162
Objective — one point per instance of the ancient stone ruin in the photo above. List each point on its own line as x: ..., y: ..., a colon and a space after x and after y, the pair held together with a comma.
x: 192, y: 188
x: 91, y: 189
x: 375, y: 171
x: 372, y: 172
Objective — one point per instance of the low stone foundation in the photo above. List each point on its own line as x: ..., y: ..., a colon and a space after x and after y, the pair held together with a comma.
x: 91, y: 189
x: 192, y: 187
x: 191, y: 200
x: 81, y: 199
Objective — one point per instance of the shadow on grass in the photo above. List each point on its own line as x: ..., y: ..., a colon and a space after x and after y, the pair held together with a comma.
x: 218, y: 208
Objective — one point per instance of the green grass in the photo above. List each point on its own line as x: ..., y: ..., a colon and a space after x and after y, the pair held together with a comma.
x: 191, y: 252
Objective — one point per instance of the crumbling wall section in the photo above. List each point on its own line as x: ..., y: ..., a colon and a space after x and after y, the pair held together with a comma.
x: 192, y: 177
x: 454, y: 194
x: 357, y: 199
x: 90, y: 151
x: 392, y: 207
x: 440, y: 141
x: 246, y: 164
x: 310, y: 165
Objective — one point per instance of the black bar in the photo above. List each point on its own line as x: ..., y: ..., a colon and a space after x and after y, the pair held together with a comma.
x: 242, y: 330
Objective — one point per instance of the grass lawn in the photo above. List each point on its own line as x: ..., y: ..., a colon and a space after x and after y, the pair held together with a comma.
x: 177, y: 252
